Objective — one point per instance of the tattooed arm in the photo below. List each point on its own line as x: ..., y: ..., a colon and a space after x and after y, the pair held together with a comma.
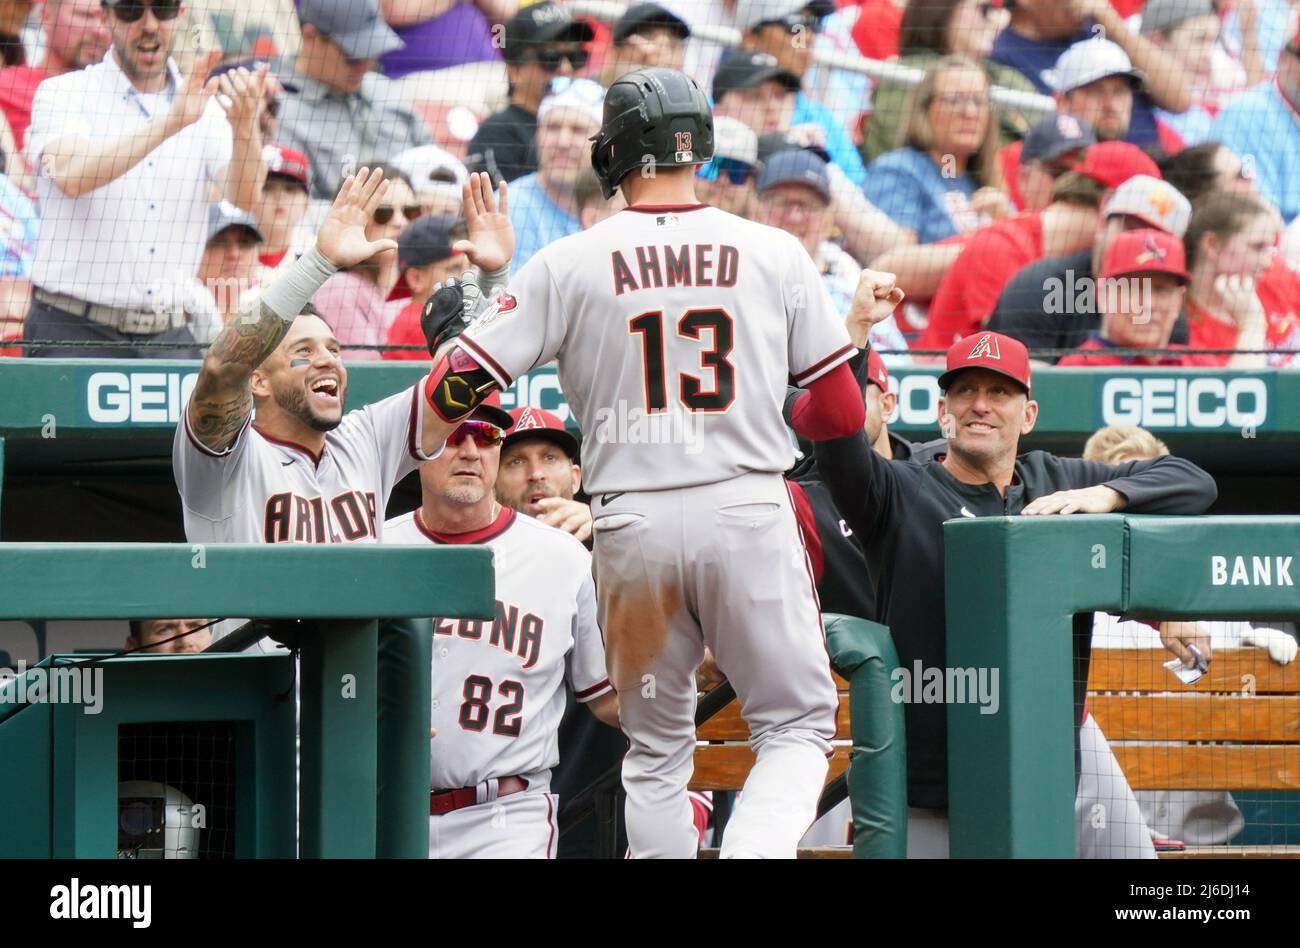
x: 222, y: 398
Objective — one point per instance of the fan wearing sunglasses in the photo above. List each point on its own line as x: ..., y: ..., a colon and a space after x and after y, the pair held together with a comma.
x: 727, y: 182
x: 353, y: 301
x: 542, y: 42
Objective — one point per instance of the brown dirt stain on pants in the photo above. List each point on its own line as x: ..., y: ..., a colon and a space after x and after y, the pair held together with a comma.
x: 637, y: 619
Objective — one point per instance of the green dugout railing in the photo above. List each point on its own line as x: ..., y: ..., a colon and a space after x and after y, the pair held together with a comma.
x: 1014, y: 586
x: 326, y: 601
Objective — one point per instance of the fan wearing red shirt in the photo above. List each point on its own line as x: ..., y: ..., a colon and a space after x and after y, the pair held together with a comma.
x: 1139, y: 296
x: 424, y: 259
x: 1238, y: 298
x: 992, y: 256
x: 76, y: 35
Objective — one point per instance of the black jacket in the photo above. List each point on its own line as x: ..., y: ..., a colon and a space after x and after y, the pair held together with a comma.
x: 847, y: 586
x: 897, y: 509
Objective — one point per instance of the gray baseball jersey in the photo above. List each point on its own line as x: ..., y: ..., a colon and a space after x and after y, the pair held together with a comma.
x: 676, y: 330
x: 497, y: 686
x: 265, y: 490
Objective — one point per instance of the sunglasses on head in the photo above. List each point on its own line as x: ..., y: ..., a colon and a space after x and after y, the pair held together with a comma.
x: 129, y: 11
x: 736, y: 172
x: 549, y: 59
x: 384, y: 213
x: 484, y: 434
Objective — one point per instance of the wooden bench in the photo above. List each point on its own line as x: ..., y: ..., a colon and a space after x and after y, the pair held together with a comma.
x: 1246, y: 703
x: 723, y: 759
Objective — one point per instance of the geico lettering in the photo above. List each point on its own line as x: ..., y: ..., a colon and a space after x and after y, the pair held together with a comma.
x: 1199, y: 402
x: 108, y: 398
x: 918, y: 400
x: 147, y: 398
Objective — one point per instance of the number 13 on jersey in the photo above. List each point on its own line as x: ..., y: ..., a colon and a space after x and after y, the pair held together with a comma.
x: 714, y: 394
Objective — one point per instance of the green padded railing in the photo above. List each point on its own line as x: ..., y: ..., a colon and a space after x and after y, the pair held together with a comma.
x: 326, y: 601
x: 864, y: 653
x: 1013, y: 586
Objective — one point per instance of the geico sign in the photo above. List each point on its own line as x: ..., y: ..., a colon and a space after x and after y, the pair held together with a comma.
x: 114, y: 398
x: 1205, y: 402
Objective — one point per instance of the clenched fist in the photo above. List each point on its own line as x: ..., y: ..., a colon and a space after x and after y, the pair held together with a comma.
x: 874, y: 301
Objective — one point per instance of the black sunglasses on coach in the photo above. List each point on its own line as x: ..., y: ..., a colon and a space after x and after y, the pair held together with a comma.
x: 129, y: 11
x: 549, y: 59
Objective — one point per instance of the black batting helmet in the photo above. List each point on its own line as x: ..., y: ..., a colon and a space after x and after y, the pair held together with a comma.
x: 656, y: 117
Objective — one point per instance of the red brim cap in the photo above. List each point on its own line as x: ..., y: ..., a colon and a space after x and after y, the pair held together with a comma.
x: 1113, y: 163
x: 538, y: 423
x: 876, y: 372
x: 988, y: 350
x: 1145, y: 252
x: 490, y: 410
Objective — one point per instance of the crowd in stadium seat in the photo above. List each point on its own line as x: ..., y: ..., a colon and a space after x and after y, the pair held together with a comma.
x: 926, y: 178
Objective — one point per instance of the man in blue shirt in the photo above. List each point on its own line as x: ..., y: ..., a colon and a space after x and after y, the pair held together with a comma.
x: 1263, y: 127
x: 1041, y: 30
x: 542, y: 205
x: 784, y: 30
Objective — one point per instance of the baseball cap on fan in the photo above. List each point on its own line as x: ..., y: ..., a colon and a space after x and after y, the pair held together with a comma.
x: 796, y: 166
x: 354, y: 26
x: 540, y: 23
x: 223, y: 215
x: 425, y: 240
x: 734, y: 139
x: 641, y: 15
x: 1055, y: 136
x: 1113, y: 163
x: 1087, y: 61
x: 754, y: 13
x: 289, y: 163
x: 539, y: 423
x: 1152, y: 201
x: 743, y: 69
x: 1145, y: 253
x: 988, y: 350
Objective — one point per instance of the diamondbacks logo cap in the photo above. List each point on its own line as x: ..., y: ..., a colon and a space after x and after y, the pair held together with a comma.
x: 538, y: 423
x: 988, y: 350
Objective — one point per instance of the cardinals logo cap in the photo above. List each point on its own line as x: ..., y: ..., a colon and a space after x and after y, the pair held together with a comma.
x: 988, y: 350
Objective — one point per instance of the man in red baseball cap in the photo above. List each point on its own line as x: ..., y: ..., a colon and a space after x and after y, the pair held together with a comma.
x: 540, y: 473
x: 1144, y: 278
x: 898, y: 508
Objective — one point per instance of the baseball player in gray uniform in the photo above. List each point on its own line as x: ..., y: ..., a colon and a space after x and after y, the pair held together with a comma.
x: 676, y: 326
x: 498, y: 687
x: 300, y: 470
